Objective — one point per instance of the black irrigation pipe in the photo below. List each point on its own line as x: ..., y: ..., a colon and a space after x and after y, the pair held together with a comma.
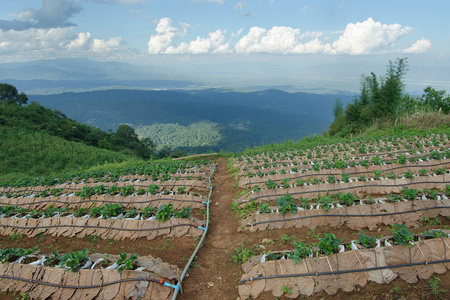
x: 352, y: 216
x: 343, y: 189
x: 349, y: 173
x: 260, y: 277
x: 103, y: 201
x: 80, y: 287
x: 97, y: 227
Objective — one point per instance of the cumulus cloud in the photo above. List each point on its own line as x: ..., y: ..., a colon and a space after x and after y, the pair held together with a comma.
x: 162, y: 42
x: 53, y: 14
x: 420, y: 46
x: 56, y: 41
x: 365, y: 37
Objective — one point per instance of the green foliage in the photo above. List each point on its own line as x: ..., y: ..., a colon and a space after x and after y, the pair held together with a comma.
x: 73, y: 261
x: 264, y: 207
x: 286, y: 203
x: 434, y: 287
x: 241, y: 254
x: 185, y: 212
x: 126, y: 263
x: 10, y: 95
x: 329, y: 244
x: 409, y: 194
x: 366, y: 240
x: 435, y: 234
x: 164, y: 212
x: 301, y: 251
x: 401, y: 235
x: 147, y: 211
x: 271, y: 184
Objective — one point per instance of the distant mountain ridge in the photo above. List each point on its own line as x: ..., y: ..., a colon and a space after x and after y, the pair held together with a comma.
x: 243, y: 119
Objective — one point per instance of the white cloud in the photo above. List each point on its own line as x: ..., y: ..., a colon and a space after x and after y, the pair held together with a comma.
x: 367, y: 36
x: 81, y: 43
x: 111, y: 45
x: 420, y: 46
x: 161, y: 43
x: 240, y: 5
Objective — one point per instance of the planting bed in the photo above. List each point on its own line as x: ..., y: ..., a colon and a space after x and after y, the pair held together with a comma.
x: 118, y: 216
x: 313, y: 199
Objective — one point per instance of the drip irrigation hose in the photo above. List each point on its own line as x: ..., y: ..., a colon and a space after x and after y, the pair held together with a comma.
x: 260, y: 277
x: 81, y: 287
x: 354, y: 173
x: 99, y: 227
x: 103, y: 201
x: 340, y: 216
x: 205, y: 231
x: 343, y: 189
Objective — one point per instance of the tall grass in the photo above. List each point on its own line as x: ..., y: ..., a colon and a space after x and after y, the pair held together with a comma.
x: 32, y: 153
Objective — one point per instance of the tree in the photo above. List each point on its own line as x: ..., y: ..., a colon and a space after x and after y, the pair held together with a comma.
x: 10, y: 95
x: 436, y: 100
x: 338, y: 108
x: 126, y: 134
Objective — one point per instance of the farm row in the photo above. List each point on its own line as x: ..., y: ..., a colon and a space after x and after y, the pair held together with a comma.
x: 360, y: 188
x: 121, y: 205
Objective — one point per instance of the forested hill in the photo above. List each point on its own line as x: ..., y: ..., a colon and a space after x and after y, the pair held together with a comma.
x: 216, y: 119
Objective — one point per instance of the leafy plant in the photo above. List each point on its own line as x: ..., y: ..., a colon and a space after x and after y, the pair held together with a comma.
x: 393, y: 198
x: 423, y: 172
x: 301, y: 251
x: 286, y: 289
x: 401, y: 235
x: 80, y: 212
x: 434, y: 287
x: 440, y: 171
x: 434, y: 234
x: 408, y: 174
x: 331, y: 179
x: 409, y: 194
x: 345, y: 177
x: 366, y: 240
x: 285, y: 183
x: 52, y: 259
x: 377, y: 174
x: 147, y: 211
x: 111, y: 210
x: 329, y: 244
x: 242, y: 254
x: 164, y: 212
x: 286, y: 203
x: 126, y: 263
x: 325, y: 202
x: 362, y: 178
x: 346, y: 199
x: 127, y: 190
x: 113, y: 190
x: 271, y: 184
x: 264, y: 207
x: 96, y: 211
x: 74, y: 260
x: 185, y: 212
x: 181, y: 189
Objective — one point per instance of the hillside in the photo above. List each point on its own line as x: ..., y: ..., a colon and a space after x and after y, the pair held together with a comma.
x: 236, y: 120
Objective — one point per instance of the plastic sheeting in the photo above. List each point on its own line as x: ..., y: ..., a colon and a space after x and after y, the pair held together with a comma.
x: 386, y: 259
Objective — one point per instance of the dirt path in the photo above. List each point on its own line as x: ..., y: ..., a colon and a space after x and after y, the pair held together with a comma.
x: 213, y: 277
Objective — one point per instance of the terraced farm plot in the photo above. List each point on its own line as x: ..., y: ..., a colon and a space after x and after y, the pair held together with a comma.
x: 165, y: 204
x: 359, y: 188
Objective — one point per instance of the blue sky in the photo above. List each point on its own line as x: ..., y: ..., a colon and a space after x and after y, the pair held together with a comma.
x: 317, y: 43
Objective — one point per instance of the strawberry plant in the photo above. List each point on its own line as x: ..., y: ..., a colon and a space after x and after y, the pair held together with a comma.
x: 440, y: 171
x: 96, y: 211
x: 181, y: 189
x: 153, y: 189
x: 434, y: 234
x: 264, y: 207
x: 329, y: 244
x: 147, y: 212
x: 423, y: 172
x: 286, y: 203
x: 301, y: 251
x: 377, y: 174
x: 164, y: 212
x: 126, y: 263
x: 73, y: 261
x: 270, y: 184
x: 409, y: 174
x: 346, y: 199
x: 401, y: 235
x: 185, y: 212
x: 331, y: 179
x: 345, y: 178
x: 113, y: 190
x: 111, y: 210
x: 80, y: 212
x: 325, y: 202
x: 285, y: 183
x: 366, y: 240
x: 393, y: 198
x: 409, y: 194
x: 127, y: 190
